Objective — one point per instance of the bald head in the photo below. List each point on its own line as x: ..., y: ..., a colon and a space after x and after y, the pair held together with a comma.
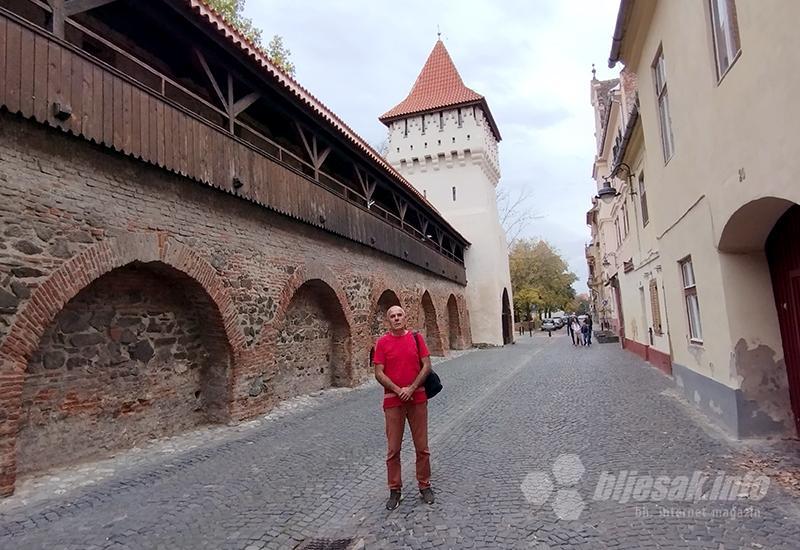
x: 396, y: 318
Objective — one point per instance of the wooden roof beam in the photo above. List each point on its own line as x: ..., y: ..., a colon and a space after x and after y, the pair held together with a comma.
x: 367, y: 186
x: 312, y: 149
x: 74, y: 7
x: 201, y: 58
x: 401, y: 205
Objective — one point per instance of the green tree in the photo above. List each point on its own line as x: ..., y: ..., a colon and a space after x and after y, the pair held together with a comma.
x: 279, y: 54
x: 579, y: 304
x: 540, y: 277
x: 233, y: 12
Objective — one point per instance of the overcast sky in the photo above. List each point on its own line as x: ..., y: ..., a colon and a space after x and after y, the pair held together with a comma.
x: 531, y: 59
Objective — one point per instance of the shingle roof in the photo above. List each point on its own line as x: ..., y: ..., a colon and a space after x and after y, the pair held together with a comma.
x: 250, y: 50
x: 438, y: 86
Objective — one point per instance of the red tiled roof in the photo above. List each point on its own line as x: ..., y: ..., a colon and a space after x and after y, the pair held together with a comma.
x: 438, y: 86
x: 210, y: 15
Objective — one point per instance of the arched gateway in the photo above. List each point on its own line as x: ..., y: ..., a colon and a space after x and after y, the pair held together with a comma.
x: 507, y: 319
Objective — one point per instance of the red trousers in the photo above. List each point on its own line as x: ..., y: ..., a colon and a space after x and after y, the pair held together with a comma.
x: 417, y: 416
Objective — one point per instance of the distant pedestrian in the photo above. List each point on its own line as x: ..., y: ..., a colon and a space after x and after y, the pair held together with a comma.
x: 589, y: 333
x: 585, y: 334
x: 401, y: 366
x: 568, y: 323
x: 577, y: 339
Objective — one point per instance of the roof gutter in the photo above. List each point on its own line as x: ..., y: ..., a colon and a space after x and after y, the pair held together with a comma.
x: 625, y: 7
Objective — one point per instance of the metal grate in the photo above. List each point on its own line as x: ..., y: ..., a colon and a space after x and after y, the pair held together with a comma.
x: 326, y: 544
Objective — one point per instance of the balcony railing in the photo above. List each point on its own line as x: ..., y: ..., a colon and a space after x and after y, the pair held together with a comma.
x: 160, y: 85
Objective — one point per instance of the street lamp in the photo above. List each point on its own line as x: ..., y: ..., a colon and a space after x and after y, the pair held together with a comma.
x: 607, y: 193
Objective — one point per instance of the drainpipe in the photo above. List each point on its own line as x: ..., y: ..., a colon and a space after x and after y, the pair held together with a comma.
x: 666, y: 321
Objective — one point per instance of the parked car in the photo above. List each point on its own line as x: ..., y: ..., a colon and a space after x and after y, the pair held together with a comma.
x: 558, y: 321
x: 548, y: 324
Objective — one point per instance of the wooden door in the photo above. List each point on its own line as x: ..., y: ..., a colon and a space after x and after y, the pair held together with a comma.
x: 783, y: 255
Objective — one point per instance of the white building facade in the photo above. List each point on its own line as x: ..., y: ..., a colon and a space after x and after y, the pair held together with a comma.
x: 443, y: 139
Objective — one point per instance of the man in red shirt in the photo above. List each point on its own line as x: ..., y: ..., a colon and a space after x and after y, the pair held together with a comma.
x: 401, y: 370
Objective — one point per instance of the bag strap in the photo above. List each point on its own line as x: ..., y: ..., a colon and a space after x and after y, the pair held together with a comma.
x: 416, y: 342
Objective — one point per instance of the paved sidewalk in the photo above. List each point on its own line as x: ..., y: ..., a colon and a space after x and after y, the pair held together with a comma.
x: 506, y: 417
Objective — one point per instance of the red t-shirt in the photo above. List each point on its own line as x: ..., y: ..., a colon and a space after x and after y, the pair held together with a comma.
x: 398, y: 355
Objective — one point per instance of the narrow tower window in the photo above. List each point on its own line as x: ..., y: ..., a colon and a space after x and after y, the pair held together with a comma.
x: 441, y: 120
x: 454, y: 193
x: 423, y: 124
x: 405, y: 130
x: 460, y: 118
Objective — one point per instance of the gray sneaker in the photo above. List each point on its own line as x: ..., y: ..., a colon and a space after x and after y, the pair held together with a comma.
x: 427, y: 495
x: 394, y: 499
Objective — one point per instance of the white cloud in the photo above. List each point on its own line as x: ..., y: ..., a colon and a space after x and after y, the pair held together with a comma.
x: 530, y: 58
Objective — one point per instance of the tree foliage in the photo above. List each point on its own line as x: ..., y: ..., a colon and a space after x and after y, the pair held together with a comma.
x: 233, y: 12
x: 540, y: 277
x: 579, y: 304
x: 279, y: 54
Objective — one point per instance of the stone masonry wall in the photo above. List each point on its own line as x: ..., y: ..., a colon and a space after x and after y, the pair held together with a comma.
x: 73, y: 212
x: 311, y: 353
x: 128, y: 358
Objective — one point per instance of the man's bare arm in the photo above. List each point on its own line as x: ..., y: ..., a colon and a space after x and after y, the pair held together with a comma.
x: 423, y: 374
x: 384, y: 380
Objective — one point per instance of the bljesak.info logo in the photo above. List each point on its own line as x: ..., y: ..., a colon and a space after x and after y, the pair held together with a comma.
x: 558, y: 489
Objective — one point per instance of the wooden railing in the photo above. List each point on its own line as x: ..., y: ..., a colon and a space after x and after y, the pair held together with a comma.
x: 171, y: 90
x: 143, y: 118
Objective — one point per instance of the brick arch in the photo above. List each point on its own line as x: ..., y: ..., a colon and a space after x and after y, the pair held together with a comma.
x: 428, y: 312
x: 318, y: 277
x: 78, y: 272
x: 454, y: 332
x: 63, y: 284
x: 383, y: 292
x: 303, y: 274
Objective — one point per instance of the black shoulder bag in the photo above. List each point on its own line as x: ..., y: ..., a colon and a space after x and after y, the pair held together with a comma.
x: 433, y: 384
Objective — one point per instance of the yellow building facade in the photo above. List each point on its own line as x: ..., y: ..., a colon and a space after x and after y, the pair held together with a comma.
x: 713, y: 147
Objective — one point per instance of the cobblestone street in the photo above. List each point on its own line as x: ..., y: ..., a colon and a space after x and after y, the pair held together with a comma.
x: 317, y: 471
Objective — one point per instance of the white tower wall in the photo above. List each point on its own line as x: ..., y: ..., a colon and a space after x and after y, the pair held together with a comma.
x: 460, y: 152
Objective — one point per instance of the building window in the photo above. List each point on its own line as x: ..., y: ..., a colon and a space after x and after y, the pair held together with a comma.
x: 423, y: 124
x: 625, y: 222
x: 454, y: 193
x: 441, y: 121
x: 425, y: 193
x: 460, y: 118
x: 692, y: 303
x: 643, y: 199
x: 405, y: 128
x: 660, y: 76
x: 725, y: 27
x: 655, y: 307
